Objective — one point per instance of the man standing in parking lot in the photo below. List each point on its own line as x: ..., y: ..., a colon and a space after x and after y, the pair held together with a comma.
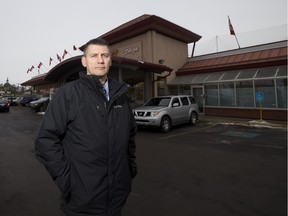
x: 86, y: 139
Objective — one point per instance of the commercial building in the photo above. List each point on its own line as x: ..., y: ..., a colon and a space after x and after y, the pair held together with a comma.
x: 151, y: 54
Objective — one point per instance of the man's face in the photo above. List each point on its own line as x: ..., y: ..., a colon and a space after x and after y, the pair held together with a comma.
x: 97, y: 60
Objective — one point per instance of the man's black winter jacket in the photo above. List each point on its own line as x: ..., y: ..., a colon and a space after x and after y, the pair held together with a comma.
x: 87, y: 145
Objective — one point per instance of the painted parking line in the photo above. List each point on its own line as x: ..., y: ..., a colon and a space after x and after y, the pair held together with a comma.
x: 186, y: 132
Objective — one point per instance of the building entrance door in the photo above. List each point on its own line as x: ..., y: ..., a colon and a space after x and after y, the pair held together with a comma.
x: 198, y: 93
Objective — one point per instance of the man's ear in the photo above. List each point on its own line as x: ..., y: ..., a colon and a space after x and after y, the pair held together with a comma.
x: 83, y: 61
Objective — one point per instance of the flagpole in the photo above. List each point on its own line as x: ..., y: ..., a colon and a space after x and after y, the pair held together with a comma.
x: 37, y: 67
x: 237, y: 41
x: 216, y: 43
x: 232, y: 31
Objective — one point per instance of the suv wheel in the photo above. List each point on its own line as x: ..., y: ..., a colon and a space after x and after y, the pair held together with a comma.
x: 193, y: 118
x: 165, y: 124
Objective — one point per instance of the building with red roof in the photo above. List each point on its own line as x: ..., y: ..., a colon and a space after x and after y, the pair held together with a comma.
x: 151, y: 54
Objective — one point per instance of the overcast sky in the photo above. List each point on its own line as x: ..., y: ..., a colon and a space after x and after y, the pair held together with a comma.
x: 32, y: 31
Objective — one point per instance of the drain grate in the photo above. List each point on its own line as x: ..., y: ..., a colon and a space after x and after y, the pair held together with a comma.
x: 240, y: 134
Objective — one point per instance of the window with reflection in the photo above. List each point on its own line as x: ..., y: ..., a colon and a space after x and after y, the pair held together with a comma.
x: 179, y: 89
x: 267, y: 72
x: 268, y: 89
x: 281, y: 89
x: 211, y: 94
x: 185, y: 90
x: 244, y: 94
x: 226, y: 94
x: 173, y: 89
x: 161, y: 87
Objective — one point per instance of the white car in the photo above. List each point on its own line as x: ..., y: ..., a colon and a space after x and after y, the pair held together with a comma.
x: 166, y: 111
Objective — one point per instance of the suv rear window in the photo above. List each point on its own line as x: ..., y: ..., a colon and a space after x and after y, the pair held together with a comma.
x: 192, y: 100
x: 184, y: 101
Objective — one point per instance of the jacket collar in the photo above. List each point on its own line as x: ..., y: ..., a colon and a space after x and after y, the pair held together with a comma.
x: 93, y: 82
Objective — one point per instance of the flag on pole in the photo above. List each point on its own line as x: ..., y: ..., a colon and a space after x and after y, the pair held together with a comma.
x: 231, y: 29
x: 64, y: 53
x: 232, y: 32
x: 50, y: 61
x: 59, y: 58
x: 39, y: 65
x: 30, y: 69
x: 74, y: 48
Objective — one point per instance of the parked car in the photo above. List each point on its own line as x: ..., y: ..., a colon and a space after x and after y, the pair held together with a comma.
x: 16, y: 101
x: 10, y: 99
x: 27, y: 99
x: 4, y: 105
x: 39, y: 104
x: 166, y: 111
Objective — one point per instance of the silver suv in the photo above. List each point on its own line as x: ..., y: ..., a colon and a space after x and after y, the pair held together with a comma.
x: 166, y: 111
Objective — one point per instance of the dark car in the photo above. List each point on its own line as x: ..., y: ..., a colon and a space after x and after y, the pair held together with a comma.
x: 4, y: 105
x: 27, y: 99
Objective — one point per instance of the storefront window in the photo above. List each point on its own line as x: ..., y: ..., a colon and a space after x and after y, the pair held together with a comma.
x: 215, y: 76
x: 179, y: 89
x: 173, y: 89
x: 247, y: 74
x: 135, y: 95
x: 268, y: 90
x: 230, y: 75
x: 211, y: 94
x: 282, y: 71
x: 184, y: 89
x: 266, y: 72
x: 161, y: 87
x: 244, y: 94
x: 281, y: 88
x: 226, y: 94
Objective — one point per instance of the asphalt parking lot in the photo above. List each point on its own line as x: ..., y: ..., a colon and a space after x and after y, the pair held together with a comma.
x: 216, y: 168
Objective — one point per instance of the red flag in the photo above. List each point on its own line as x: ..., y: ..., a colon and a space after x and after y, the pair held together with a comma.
x: 30, y: 69
x: 59, y: 58
x: 232, y: 32
x: 50, y: 60
x: 64, y: 53
x: 74, y: 48
x: 39, y: 65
